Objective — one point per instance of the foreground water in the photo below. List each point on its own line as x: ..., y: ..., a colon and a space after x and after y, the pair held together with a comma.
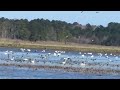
x: 29, y: 73
x: 51, y: 57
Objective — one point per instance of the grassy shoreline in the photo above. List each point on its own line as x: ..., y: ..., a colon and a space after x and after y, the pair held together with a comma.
x: 58, y: 46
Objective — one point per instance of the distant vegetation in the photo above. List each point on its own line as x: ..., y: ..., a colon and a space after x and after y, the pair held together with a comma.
x: 61, y: 31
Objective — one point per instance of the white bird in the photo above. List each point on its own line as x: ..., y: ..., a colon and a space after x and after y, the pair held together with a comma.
x: 106, y: 54
x: 28, y: 50
x: 49, y: 53
x: 5, y: 53
x: 33, y: 61
x: 82, y: 64
x: 100, y: 54
x: 22, y: 49
x: 43, y: 50
x: 62, y: 51
x: 64, y: 62
x: 92, y: 56
x: 25, y: 59
x: 111, y: 54
x: 90, y: 53
x: 55, y: 54
x: 83, y: 55
x: 110, y: 60
x: 12, y: 58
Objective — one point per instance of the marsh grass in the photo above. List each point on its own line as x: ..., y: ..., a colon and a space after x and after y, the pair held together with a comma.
x: 57, y: 45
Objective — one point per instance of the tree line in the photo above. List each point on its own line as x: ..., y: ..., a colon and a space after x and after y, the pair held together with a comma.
x: 56, y: 30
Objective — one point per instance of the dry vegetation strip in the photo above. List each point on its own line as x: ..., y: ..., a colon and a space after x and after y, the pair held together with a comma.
x: 58, y: 45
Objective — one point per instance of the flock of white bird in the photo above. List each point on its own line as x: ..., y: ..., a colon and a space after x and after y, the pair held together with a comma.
x: 81, y: 60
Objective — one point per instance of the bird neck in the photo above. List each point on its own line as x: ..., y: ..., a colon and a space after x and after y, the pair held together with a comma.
x: 65, y: 60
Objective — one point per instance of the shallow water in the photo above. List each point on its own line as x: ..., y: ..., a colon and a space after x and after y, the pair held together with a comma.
x: 13, y: 72
x: 53, y: 59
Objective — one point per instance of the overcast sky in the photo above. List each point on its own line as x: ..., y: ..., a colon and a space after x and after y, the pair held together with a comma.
x: 101, y: 18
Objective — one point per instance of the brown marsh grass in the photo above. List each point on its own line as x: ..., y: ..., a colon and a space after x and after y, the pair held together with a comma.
x: 58, y: 45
